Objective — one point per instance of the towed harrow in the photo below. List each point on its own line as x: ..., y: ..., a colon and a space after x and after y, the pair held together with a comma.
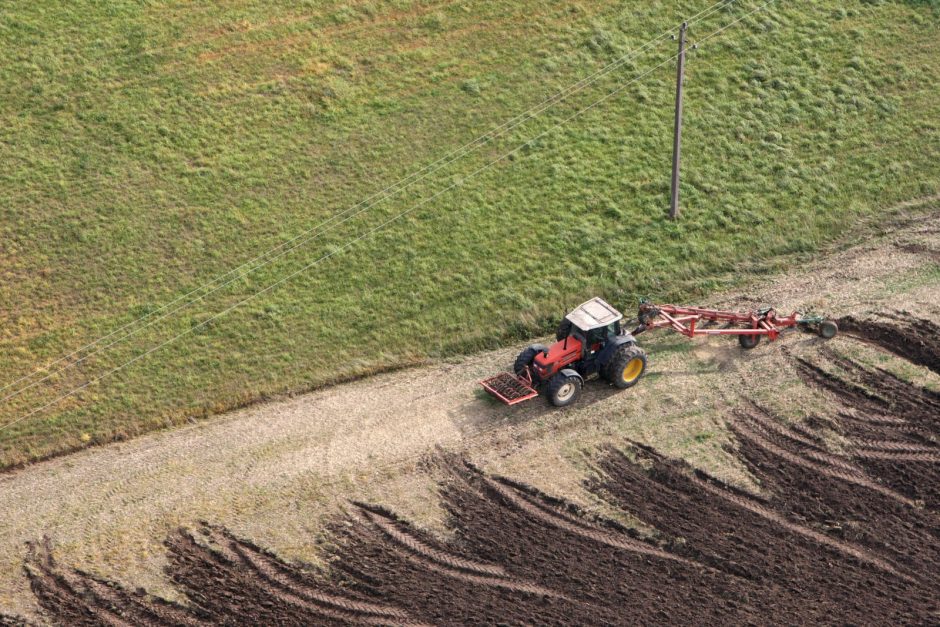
x: 592, y: 342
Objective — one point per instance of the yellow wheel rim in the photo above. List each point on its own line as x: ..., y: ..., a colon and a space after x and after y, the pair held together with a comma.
x: 632, y: 370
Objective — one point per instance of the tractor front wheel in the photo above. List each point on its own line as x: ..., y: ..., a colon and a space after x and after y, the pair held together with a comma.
x: 526, y: 356
x: 626, y: 367
x: 563, y: 390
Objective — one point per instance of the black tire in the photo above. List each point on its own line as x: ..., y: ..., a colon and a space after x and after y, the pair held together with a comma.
x: 828, y: 329
x: 749, y: 341
x: 626, y: 366
x: 563, y: 390
x: 526, y: 356
x: 564, y: 329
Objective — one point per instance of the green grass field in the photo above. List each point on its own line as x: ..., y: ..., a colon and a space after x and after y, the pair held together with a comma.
x: 151, y: 147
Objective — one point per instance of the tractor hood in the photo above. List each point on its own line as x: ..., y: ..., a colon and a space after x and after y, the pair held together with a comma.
x: 559, y: 354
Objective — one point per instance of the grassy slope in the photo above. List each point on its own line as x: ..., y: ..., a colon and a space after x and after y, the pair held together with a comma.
x: 149, y: 148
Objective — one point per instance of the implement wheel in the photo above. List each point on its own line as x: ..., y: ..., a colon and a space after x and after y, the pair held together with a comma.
x: 828, y: 329
x: 563, y: 390
x: 749, y: 341
x: 626, y: 367
x: 526, y: 356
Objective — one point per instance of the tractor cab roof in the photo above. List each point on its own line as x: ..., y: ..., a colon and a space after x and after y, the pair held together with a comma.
x: 593, y: 314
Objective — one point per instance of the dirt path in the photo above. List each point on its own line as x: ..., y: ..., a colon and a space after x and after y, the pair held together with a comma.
x: 273, y: 472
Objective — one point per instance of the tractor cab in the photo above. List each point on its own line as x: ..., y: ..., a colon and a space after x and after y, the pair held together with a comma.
x: 593, y: 323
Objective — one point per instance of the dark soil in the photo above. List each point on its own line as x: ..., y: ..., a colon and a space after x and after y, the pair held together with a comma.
x: 835, y: 537
x: 911, y: 338
x: 893, y: 424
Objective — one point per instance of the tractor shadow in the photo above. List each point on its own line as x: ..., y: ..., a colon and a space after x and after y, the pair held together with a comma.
x: 484, y: 413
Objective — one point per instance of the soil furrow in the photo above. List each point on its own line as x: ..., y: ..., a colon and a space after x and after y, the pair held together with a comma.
x: 891, y: 445
x: 815, y: 536
x: 861, y: 480
x: 909, y: 456
x: 581, y: 529
x: 353, y: 609
x: 387, y: 525
x: 915, y: 339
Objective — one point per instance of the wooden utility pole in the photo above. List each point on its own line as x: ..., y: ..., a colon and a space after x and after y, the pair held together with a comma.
x: 677, y: 135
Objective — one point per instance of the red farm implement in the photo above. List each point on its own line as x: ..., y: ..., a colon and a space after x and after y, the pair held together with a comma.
x: 510, y: 388
x: 749, y: 326
x: 592, y: 343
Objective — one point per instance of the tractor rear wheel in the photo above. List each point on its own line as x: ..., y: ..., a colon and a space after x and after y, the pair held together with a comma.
x: 526, y: 356
x: 749, y: 341
x: 626, y: 367
x: 563, y: 390
x: 564, y: 329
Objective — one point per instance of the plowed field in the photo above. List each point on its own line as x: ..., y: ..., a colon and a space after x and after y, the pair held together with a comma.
x: 849, y: 536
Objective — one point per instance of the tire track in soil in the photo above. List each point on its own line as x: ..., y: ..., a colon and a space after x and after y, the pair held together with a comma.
x: 910, y: 418
x: 228, y: 586
x: 387, y: 569
x: 440, y: 562
x: 784, y: 437
x: 602, y: 567
x: 785, y: 568
x: 387, y: 524
x: 899, y: 394
x: 287, y: 577
x: 824, y: 467
x: 571, y: 524
x: 914, y: 339
x: 909, y: 456
x: 845, y: 511
x: 891, y: 445
x: 82, y: 599
x: 912, y: 409
x: 765, y: 422
x: 774, y: 517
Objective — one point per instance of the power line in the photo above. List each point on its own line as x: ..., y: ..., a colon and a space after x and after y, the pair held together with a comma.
x: 310, y: 234
x: 372, y: 231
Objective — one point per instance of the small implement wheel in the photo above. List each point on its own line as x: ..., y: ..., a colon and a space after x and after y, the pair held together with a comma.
x: 749, y: 341
x: 626, y: 367
x: 564, y: 329
x: 526, y: 356
x: 563, y: 390
x: 828, y: 329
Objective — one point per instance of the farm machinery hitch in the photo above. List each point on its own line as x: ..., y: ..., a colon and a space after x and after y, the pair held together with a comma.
x: 591, y: 342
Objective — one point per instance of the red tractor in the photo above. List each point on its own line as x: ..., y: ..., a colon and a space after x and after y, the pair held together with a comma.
x: 590, y: 342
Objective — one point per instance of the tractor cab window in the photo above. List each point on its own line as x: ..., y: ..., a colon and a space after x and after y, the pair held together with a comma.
x: 601, y: 335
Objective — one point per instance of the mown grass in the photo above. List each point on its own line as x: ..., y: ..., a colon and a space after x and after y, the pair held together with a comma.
x: 148, y: 148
